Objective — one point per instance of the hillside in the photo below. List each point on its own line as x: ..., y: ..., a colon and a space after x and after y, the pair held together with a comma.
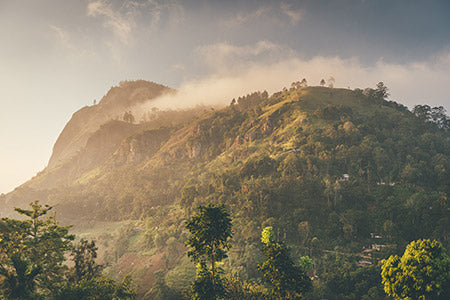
x: 334, y: 171
x: 87, y: 120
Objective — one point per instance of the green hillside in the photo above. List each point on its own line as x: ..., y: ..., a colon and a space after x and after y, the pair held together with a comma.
x: 343, y: 176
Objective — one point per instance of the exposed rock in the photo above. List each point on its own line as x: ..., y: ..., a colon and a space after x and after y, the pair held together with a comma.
x: 88, y: 120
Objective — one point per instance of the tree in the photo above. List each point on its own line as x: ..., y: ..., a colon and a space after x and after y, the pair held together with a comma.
x: 83, y: 256
x: 32, y: 251
x: 381, y: 91
x: 19, y: 282
x: 322, y: 82
x: 303, y: 83
x: 32, y: 256
x: 128, y: 117
x: 160, y: 289
x: 331, y: 82
x: 85, y: 281
x: 97, y: 288
x: 436, y: 115
x: 423, y: 272
x: 288, y: 281
x: 211, y: 233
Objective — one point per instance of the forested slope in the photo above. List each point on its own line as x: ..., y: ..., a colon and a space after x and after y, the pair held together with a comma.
x: 334, y: 171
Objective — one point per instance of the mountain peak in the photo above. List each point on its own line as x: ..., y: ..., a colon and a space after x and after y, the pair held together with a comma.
x: 88, y: 119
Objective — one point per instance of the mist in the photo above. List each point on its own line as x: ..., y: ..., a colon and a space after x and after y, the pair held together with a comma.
x: 405, y: 82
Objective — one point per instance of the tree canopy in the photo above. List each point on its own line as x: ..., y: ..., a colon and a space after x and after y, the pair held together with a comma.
x: 32, y: 256
x: 423, y: 272
x: 288, y: 280
x: 210, y: 238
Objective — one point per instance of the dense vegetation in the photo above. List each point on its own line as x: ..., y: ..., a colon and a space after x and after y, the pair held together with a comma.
x: 32, y: 256
x: 344, y: 177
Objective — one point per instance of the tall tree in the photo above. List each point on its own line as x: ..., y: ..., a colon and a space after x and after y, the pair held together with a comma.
x: 423, y: 272
x: 34, y: 246
x: 210, y: 239
x: 19, y: 281
x: 288, y: 281
x: 303, y: 83
x: 83, y: 256
x: 381, y: 91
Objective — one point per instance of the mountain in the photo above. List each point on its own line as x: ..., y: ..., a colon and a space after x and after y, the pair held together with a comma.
x: 88, y: 120
x: 334, y: 171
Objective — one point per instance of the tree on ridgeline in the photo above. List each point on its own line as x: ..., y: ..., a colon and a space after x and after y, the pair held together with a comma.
x: 436, y: 115
x: 303, y: 83
x: 331, y: 82
x: 381, y: 91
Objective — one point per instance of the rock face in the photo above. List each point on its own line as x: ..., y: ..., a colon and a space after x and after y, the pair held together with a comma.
x: 98, y: 149
x: 88, y: 120
x: 139, y: 147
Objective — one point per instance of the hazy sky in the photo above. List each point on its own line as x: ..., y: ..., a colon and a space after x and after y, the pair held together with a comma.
x: 57, y: 56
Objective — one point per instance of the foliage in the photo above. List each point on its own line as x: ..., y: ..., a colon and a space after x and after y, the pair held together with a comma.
x: 435, y: 115
x: 237, y: 289
x: 330, y: 169
x: 381, y: 90
x: 211, y: 233
x: 97, y: 288
x: 288, y: 281
x: 423, y: 272
x: 208, y: 284
x: 32, y: 256
x: 83, y: 256
x: 32, y: 251
x: 161, y: 291
x: 19, y: 283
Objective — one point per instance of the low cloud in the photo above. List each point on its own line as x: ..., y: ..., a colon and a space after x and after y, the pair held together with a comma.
x: 410, y: 84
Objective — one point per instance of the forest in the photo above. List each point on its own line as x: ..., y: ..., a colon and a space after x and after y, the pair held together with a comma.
x: 34, y: 250
x: 334, y: 184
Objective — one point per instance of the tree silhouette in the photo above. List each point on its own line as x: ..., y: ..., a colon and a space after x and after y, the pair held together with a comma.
x: 211, y: 233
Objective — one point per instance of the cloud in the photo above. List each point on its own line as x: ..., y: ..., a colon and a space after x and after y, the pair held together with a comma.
x: 247, y: 17
x: 178, y: 67
x: 410, y: 84
x: 277, y: 14
x: 62, y: 36
x: 224, y: 57
x: 125, y: 17
x: 120, y: 25
x: 75, y: 48
x: 294, y: 15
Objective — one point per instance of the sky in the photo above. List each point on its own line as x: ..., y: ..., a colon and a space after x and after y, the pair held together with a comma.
x: 58, y: 56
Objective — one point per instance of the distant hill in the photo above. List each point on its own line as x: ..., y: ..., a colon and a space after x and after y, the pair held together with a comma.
x: 87, y: 120
x: 332, y: 170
